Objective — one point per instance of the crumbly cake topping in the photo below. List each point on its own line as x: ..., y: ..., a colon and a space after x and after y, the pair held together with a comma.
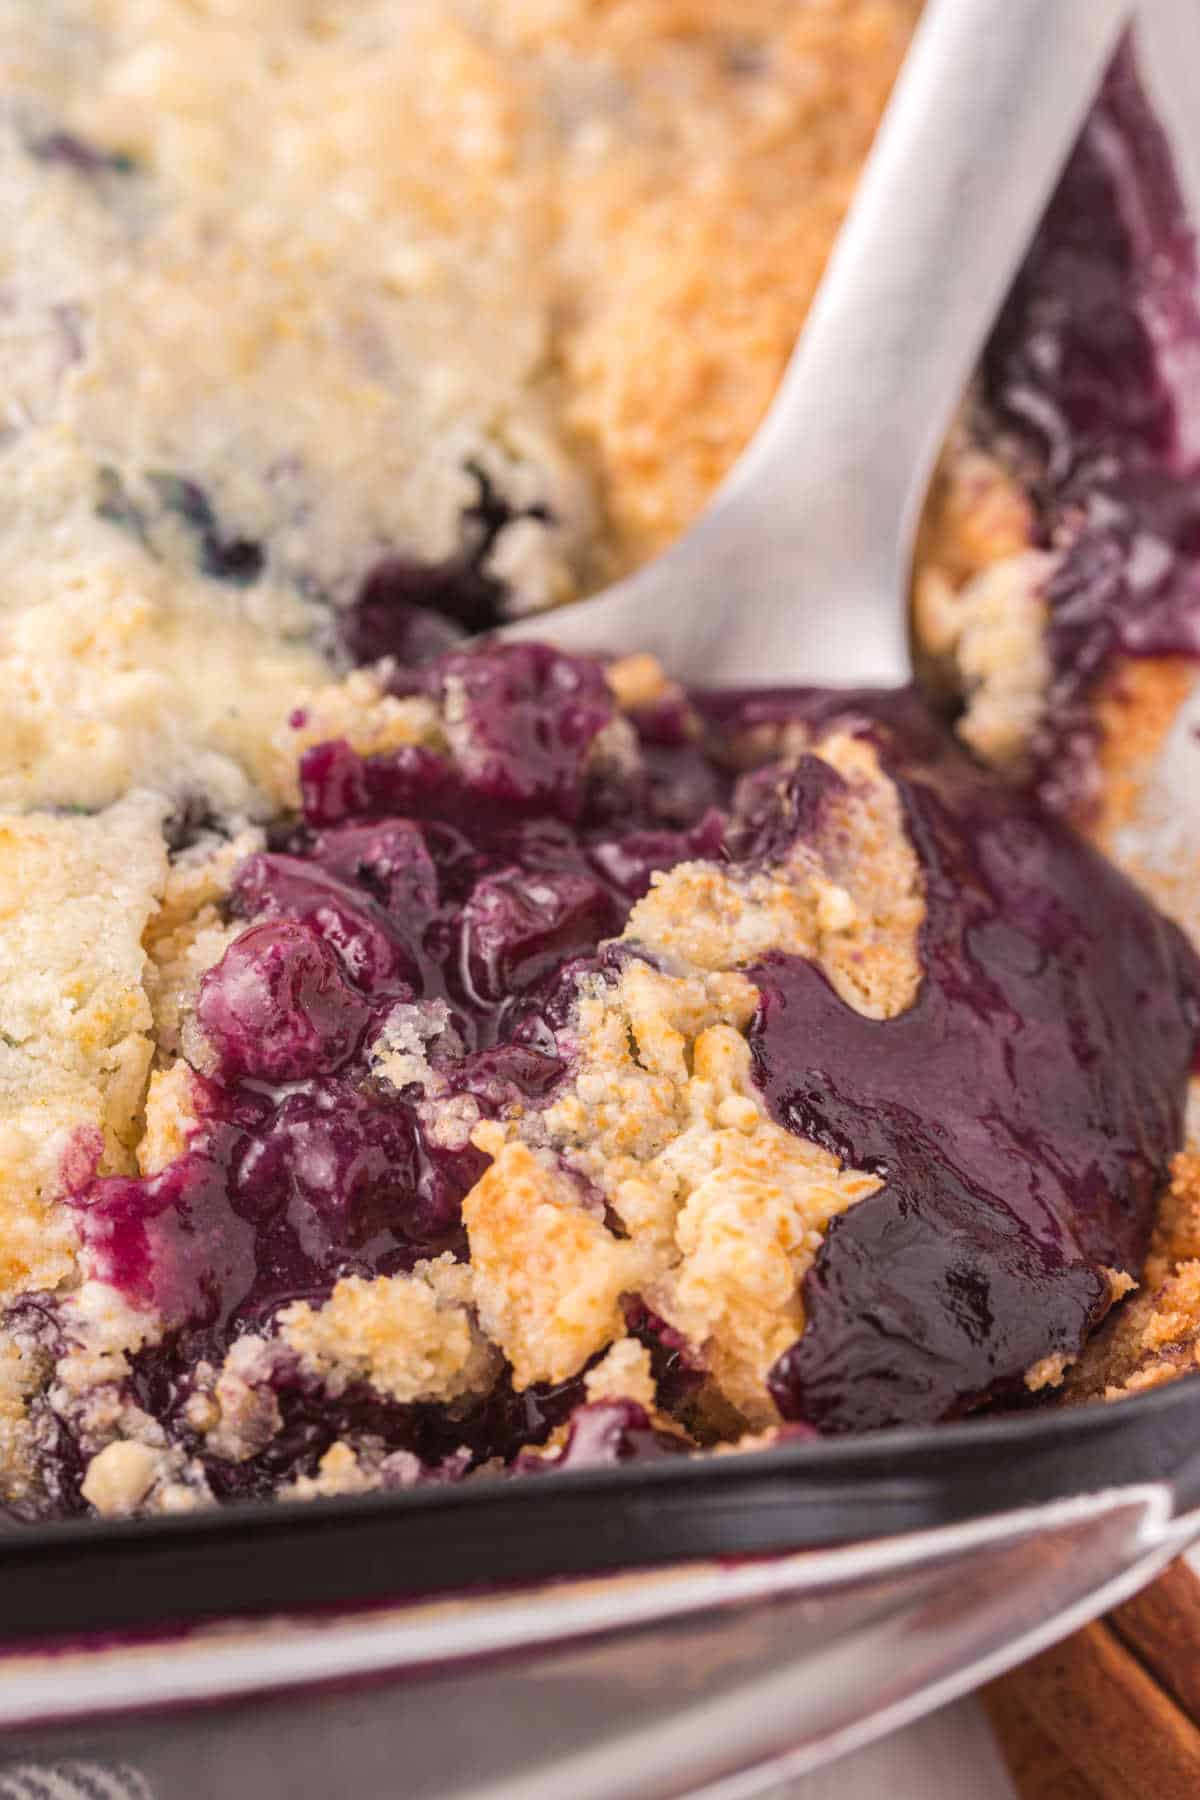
x: 444, y: 335
x: 623, y: 1373
x: 708, y: 156
x: 992, y: 633
x: 978, y: 601
x: 1155, y: 1337
x: 546, y: 1272
x: 76, y: 1028
x: 412, y: 1337
x: 854, y: 907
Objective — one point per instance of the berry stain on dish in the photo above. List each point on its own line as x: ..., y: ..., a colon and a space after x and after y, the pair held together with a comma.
x: 473, y: 1059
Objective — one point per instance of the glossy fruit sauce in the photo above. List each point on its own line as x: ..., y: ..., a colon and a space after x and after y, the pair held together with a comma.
x: 1022, y: 1113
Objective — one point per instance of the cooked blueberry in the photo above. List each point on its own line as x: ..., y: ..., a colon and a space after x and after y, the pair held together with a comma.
x: 371, y: 946
x: 390, y: 859
x: 628, y: 862
x: 529, y: 716
x: 335, y: 1181
x: 232, y: 559
x: 416, y: 611
x: 280, y: 1004
x: 171, y: 1242
x: 337, y: 784
x: 516, y: 927
x: 775, y: 809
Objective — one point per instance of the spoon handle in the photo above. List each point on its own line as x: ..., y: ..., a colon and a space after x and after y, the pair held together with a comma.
x: 982, y: 119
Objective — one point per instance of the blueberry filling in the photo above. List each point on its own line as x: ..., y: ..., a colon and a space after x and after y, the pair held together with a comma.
x: 1080, y: 390
x: 1021, y: 1113
x: 1020, y: 1116
x: 413, y: 611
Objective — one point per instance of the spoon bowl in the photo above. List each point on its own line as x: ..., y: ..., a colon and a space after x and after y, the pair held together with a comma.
x: 798, y: 571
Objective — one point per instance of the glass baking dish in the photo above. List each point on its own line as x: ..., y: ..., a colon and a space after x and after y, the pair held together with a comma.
x: 716, y: 1624
x: 770, y: 1611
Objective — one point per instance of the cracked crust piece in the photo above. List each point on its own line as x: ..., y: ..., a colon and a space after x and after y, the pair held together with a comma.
x: 1154, y: 1337
x: 75, y: 1021
x: 853, y: 903
x: 547, y: 1275
x: 411, y: 1337
x: 723, y: 1210
x: 978, y: 611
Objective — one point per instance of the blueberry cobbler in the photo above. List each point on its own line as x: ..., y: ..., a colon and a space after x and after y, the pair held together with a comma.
x: 423, y: 1057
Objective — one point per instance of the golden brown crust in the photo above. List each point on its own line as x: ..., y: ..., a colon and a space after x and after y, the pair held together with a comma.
x: 1134, y: 713
x: 412, y: 1337
x: 1154, y: 1336
x: 975, y: 514
x: 547, y: 1273
x: 698, y: 204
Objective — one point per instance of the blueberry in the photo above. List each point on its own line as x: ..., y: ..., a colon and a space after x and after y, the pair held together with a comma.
x: 280, y: 1005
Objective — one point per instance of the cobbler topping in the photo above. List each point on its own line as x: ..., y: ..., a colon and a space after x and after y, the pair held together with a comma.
x: 76, y: 1027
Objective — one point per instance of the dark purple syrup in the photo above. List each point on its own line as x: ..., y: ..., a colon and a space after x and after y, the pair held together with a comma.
x: 1021, y: 1112
x: 414, y: 611
x: 1089, y: 388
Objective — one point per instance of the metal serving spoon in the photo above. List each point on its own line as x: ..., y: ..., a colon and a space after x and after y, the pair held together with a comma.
x: 799, y: 569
